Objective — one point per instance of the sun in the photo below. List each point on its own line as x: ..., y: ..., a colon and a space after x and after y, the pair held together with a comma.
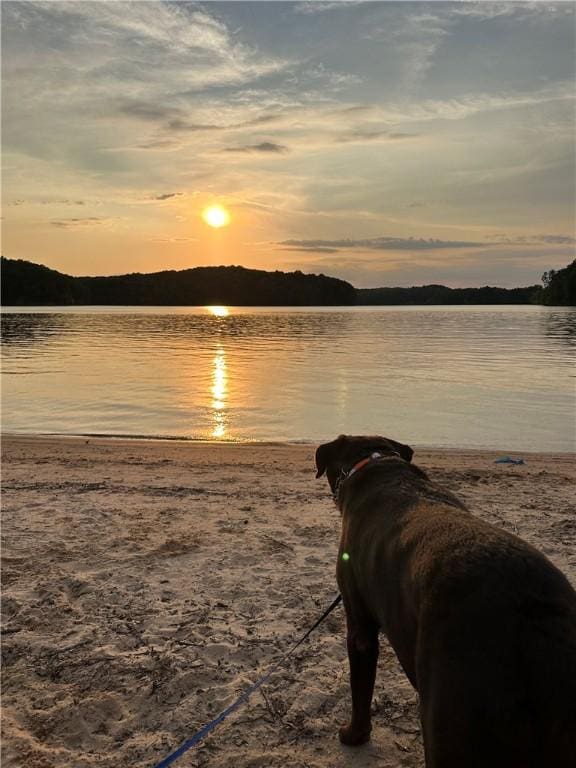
x: 216, y: 216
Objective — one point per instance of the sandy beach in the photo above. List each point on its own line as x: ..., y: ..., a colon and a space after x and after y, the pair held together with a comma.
x: 147, y: 583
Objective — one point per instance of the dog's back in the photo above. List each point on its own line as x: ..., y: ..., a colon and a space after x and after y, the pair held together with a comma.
x: 483, y: 624
x: 496, y: 657
x: 495, y: 645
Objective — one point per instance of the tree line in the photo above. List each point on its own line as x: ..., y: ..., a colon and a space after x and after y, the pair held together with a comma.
x: 441, y: 294
x: 27, y: 284
x: 559, y: 287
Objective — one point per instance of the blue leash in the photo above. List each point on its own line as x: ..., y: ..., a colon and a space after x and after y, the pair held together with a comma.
x: 206, y: 729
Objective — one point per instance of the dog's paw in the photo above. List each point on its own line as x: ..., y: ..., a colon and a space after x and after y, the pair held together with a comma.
x: 353, y: 737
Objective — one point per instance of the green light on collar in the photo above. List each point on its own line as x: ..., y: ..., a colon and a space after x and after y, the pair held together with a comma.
x: 345, y: 556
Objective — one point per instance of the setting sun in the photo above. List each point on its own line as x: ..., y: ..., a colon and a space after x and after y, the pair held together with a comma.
x: 216, y: 216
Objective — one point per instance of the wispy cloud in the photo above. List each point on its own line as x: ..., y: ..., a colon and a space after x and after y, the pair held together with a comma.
x: 484, y: 10
x: 363, y: 133
x: 419, y: 244
x: 167, y: 195
x: 534, y: 239
x: 416, y: 36
x: 322, y: 6
x: 144, y: 110
x: 54, y: 202
x: 143, y: 61
x: 157, y: 36
x: 264, y: 147
x: 313, y: 249
x: 80, y: 223
x: 384, y: 244
x: 175, y: 239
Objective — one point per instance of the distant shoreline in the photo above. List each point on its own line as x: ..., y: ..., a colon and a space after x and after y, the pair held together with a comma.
x: 11, y: 308
x: 25, y: 283
x: 119, y: 439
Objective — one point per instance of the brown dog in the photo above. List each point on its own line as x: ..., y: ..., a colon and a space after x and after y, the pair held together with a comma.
x: 483, y: 624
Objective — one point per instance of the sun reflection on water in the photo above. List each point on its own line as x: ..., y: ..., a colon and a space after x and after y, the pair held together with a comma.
x: 219, y: 390
x: 218, y: 311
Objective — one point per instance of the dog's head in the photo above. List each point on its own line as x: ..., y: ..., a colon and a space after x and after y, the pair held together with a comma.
x: 342, y: 454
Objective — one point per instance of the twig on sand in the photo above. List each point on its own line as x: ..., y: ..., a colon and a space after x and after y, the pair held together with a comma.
x: 278, y: 542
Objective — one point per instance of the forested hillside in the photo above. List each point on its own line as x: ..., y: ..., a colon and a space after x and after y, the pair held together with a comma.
x: 559, y: 287
x: 441, y: 294
x: 24, y: 283
x: 28, y: 284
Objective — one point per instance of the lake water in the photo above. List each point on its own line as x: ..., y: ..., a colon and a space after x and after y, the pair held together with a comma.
x: 478, y: 377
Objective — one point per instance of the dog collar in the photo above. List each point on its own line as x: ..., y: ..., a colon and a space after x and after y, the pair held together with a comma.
x: 360, y: 465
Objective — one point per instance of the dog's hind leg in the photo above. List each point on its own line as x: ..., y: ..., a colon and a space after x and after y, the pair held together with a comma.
x: 362, y: 642
x: 470, y: 720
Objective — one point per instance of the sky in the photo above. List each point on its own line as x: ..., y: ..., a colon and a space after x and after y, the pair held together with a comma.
x: 385, y: 143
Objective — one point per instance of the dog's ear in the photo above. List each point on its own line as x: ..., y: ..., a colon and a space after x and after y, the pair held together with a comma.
x: 405, y: 451
x: 322, y: 459
x: 325, y: 453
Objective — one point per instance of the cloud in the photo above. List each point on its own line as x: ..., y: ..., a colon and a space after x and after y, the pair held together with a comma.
x: 382, y: 244
x: 174, y: 239
x: 143, y: 110
x: 55, y: 201
x: 167, y: 195
x: 416, y: 37
x: 413, y: 244
x: 68, y: 66
x: 509, y: 266
x: 534, y: 240
x: 321, y: 6
x: 156, y: 37
x: 312, y: 249
x: 421, y: 34
x: 460, y: 107
x: 370, y: 133
x: 79, y: 223
x: 557, y: 239
x: 179, y: 125
x: 266, y: 147
x: 486, y: 11
x: 330, y: 78
x: 320, y: 124
x: 159, y: 145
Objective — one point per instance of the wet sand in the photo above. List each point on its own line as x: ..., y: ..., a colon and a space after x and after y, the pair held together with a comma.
x: 147, y: 583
